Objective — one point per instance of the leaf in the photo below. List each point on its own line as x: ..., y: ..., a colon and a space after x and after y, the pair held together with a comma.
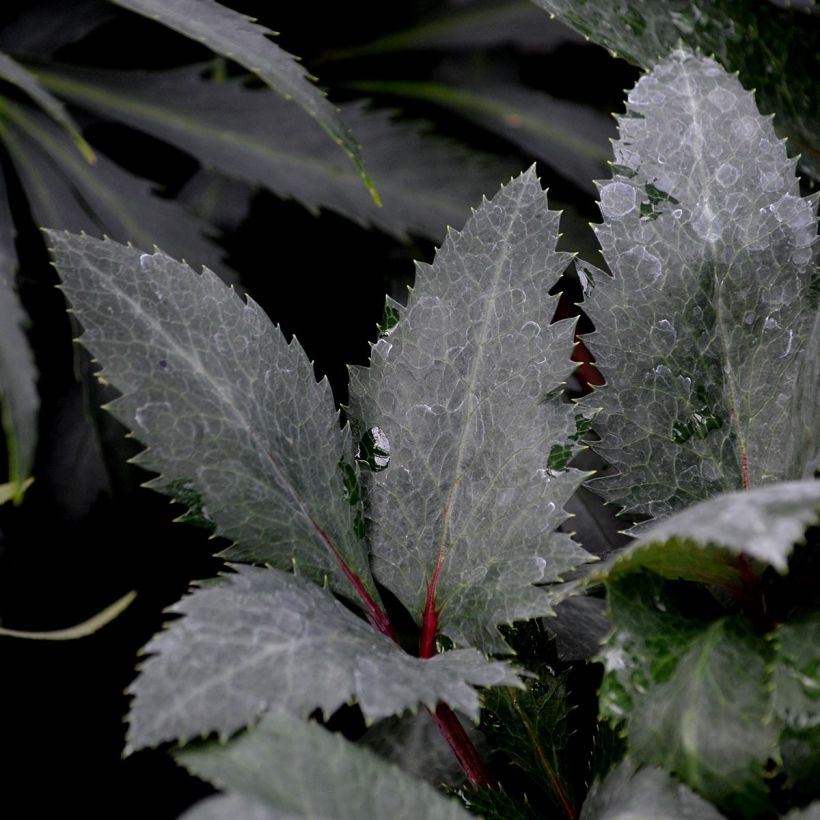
x: 462, y: 521
x: 19, y: 402
x: 65, y: 192
x: 702, y: 543
x: 811, y: 812
x: 579, y: 627
x: 796, y: 703
x: 572, y: 138
x: 644, y: 794
x: 265, y: 641
x: 531, y: 728
x: 701, y: 328
x: 487, y: 24
x: 231, y: 806
x: 769, y: 48
x: 234, y: 35
x: 695, y: 694
x: 12, y: 72
x: 228, y: 409
x: 304, y: 771
x: 424, y: 180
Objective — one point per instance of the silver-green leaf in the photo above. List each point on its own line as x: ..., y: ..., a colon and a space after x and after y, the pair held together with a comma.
x: 266, y: 641
x: 228, y: 409
x: 703, y: 327
x: 644, y: 794
x: 463, y: 389
x: 304, y: 771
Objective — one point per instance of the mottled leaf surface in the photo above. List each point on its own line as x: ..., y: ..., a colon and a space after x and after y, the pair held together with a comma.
x: 702, y: 543
x: 694, y: 694
x: 18, y: 392
x: 227, y: 408
x: 66, y: 192
x: 13, y: 72
x: 770, y: 48
x: 264, y: 640
x: 304, y: 771
x: 424, y: 181
x: 464, y: 389
x: 235, y: 35
x: 644, y: 794
x: 231, y: 806
x: 701, y: 328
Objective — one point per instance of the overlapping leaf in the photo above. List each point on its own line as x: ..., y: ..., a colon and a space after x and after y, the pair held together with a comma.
x: 769, y: 47
x: 229, y: 410
x: 703, y: 542
x: 12, y: 72
x: 464, y: 389
x: 695, y: 694
x: 702, y: 328
x: 264, y: 640
x: 572, y: 138
x: 66, y: 192
x: 18, y: 393
x: 237, y: 36
x: 645, y: 794
x: 424, y: 181
x: 299, y: 770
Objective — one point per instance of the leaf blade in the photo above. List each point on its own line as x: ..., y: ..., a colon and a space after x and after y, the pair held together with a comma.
x: 282, y: 761
x: 237, y: 36
x: 227, y: 407
x: 709, y: 308
x: 265, y: 641
x: 462, y: 437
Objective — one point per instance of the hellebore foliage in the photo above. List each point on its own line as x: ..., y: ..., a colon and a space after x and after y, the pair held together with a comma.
x: 402, y: 559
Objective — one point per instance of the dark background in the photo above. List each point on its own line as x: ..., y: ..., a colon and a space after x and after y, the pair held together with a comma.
x: 87, y: 533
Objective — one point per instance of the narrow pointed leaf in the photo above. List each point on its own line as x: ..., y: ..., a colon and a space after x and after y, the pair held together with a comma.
x: 645, y: 794
x: 703, y: 542
x: 572, y: 138
x: 12, y: 72
x: 702, y: 327
x: 486, y: 24
x: 228, y: 409
x: 769, y: 47
x: 464, y: 515
x: 234, y: 35
x: 65, y: 192
x: 305, y: 771
x: 695, y: 694
x: 264, y: 640
x: 18, y: 392
x: 424, y: 181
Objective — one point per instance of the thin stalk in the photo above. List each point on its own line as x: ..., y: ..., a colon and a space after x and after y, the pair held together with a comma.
x: 465, y: 752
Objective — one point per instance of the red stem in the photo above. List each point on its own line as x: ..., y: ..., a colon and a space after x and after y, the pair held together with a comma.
x: 462, y: 747
x: 375, y: 614
x: 445, y: 719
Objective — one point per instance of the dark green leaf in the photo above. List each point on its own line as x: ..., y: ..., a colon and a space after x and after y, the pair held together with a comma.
x: 572, y: 138
x: 646, y: 794
x: 304, y: 771
x: 701, y: 328
x: 263, y: 640
x: 224, y: 404
x: 18, y: 393
x: 12, y: 72
x: 424, y: 181
x: 461, y: 390
x: 65, y: 192
x: 234, y: 35
x: 694, y: 694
